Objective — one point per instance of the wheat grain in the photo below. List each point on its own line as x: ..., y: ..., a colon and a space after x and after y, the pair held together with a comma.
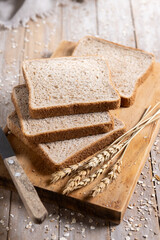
x: 91, y: 163
x: 78, y: 181
x: 112, y: 175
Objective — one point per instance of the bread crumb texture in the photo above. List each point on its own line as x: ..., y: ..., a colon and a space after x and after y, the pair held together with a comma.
x: 64, y: 81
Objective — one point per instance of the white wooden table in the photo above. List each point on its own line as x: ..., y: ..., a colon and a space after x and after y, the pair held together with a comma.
x: 133, y: 23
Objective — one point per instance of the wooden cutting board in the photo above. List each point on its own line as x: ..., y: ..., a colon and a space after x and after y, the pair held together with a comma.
x: 112, y: 203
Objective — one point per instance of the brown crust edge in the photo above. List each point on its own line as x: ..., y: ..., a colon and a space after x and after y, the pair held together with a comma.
x: 63, y: 134
x: 71, y: 109
x: 78, y: 156
x: 126, y: 102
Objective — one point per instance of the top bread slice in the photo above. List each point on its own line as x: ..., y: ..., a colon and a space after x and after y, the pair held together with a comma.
x: 129, y: 67
x: 60, y: 127
x: 60, y: 154
x: 69, y: 85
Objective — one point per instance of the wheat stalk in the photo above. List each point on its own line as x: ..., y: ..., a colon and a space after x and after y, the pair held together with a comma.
x: 142, y: 121
x: 112, y: 175
x: 79, y: 181
x: 116, y: 168
x: 92, y: 162
x: 84, y: 168
x: 88, y: 165
x: 99, y: 159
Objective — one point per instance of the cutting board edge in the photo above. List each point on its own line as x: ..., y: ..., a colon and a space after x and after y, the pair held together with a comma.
x: 153, y: 137
x: 54, y: 197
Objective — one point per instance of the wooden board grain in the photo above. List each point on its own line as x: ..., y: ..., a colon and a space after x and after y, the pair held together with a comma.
x: 115, y: 22
x: 4, y: 212
x: 146, y: 25
x: 140, y: 217
x: 27, y: 228
x: 79, y: 20
x: 111, y: 203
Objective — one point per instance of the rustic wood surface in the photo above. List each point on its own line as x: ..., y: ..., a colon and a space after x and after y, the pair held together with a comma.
x: 134, y: 23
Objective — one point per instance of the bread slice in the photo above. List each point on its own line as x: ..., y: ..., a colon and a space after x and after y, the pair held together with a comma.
x: 129, y: 67
x: 64, y: 153
x: 69, y: 85
x: 60, y: 127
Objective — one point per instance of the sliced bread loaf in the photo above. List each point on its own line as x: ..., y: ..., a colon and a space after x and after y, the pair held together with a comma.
x: 64, y: 153
x: 60, y: 127
x: 129, y: 67
x: 69, y: 85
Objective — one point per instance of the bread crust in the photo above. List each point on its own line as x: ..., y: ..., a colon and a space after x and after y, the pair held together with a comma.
x: 70, y: 109
x: 64, y: 134
x: 80, y: 155
x: 126, y: 102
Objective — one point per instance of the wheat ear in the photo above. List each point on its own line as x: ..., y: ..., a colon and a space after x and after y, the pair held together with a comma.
x: 107, y: 180
x: 116, y: 168
x: 79, y: 180
x: 87, y: 165
x: 92, y: 162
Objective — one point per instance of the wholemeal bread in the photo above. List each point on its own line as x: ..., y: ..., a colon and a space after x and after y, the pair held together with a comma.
x: 69, y: 85
x: 129, y: 67
x: 60, y: 127
x: 64, y: 153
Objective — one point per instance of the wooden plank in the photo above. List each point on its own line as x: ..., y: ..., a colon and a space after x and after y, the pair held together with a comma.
x: 147, y: 34
x: 4, y: 213
x: 75, y: 225
x: 42, y: 37
x: 3, y: 100
x: 146, y: 17
x: 22, y: 225
x: 12, y: 41
x: 155, y: 161
x: 140, y: 219
x: 10, y: 69
x: 4, y: 194
x: 53, y: 29
x: 79, y: 19
x: 37, y: 41
x: 115, y: 21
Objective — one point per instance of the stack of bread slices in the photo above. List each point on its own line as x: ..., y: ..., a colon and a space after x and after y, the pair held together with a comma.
x: 62, y: 112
